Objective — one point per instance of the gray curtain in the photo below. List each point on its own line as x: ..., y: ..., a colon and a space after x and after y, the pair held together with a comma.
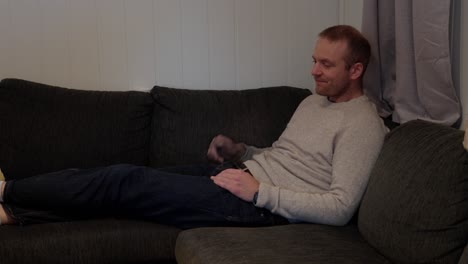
x: 409, y: 75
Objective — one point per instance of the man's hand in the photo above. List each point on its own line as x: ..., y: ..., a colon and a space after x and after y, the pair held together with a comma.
x: 223, y: 148
x: 238, y: 182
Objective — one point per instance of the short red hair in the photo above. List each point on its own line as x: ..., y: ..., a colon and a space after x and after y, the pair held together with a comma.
x: 359, y: 47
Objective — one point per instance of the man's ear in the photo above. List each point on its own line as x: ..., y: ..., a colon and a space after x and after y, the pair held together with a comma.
x: 356, y: 70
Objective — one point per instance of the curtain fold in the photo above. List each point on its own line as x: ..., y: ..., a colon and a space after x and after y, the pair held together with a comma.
x: 409, y: 75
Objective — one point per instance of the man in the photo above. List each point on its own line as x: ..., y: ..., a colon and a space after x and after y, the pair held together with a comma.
x: 315, y: 172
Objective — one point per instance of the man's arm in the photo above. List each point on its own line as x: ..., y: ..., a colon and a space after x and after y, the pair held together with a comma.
x: 355, y: 153
x: 240, y: 183
x: 223, y: 148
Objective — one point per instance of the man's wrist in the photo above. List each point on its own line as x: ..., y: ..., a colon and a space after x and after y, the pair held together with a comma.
x: 241, y: 149
x: 255, y: 197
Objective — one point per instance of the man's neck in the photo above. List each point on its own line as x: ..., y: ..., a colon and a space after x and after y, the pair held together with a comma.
x: 346, y: 97
x: 347, y: 93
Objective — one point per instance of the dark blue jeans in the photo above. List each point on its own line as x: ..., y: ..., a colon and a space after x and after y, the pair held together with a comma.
x: 182, y: 196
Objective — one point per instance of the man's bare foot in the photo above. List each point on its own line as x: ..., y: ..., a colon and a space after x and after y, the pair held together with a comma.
x: 2, y: 189
x: 5, y: 219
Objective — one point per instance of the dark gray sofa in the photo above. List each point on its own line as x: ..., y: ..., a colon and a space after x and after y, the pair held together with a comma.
x: 415, y: 209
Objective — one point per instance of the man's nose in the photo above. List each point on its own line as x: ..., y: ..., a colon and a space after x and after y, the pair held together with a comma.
x: 315, y: 70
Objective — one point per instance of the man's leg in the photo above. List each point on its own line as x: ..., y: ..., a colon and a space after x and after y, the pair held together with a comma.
x: 131, y: 192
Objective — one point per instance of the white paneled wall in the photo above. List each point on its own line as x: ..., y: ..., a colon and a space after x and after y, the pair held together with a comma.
x: 194, y: 44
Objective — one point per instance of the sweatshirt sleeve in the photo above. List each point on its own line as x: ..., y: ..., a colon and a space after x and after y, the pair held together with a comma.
x: 250, y: 151
x: 355, y: 152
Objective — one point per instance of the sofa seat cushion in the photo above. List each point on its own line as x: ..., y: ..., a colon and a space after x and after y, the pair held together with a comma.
x: 295, y: 243
x: 415, y: 209
x: 94, y: 241
x: 185, y: 121
x: 47, y: 128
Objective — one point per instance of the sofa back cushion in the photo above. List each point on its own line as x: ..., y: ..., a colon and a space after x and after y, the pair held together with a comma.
x: 185, y: 121
x: 415, y: 209
x: 46, y: 128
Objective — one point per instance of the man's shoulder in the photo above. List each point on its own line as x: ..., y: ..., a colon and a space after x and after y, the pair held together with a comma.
x: 362, y: 105
x: 364, y: 115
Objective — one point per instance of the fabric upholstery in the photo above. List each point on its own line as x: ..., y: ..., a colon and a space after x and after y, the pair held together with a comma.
x: 295, y: 243
x: 47, y: 128
x: 94, y: 241
x: 185, y: 121
x: 464, y: 257
x: 415, y: 209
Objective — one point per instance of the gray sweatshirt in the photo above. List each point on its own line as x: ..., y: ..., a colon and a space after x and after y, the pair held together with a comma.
x: 318, y: 169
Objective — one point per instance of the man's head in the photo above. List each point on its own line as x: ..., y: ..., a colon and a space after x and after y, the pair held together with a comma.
x: 341, y: 56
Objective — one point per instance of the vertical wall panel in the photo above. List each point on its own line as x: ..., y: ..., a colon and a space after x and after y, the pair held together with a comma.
x: 84, y: 45
x: 274, y: 43
x: 303, y: 28
x: 248, y: 43
x: 26, y: 40
x: 168, y: 42
x: 113, y: 45
x: 5, y: 49
x: 55, y: 42
x: 222, y: 44
x: 301, y: 36
x: 140, y: 44
x: 326, y: 13
x: 195, y: 44
x: 352, y: 12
